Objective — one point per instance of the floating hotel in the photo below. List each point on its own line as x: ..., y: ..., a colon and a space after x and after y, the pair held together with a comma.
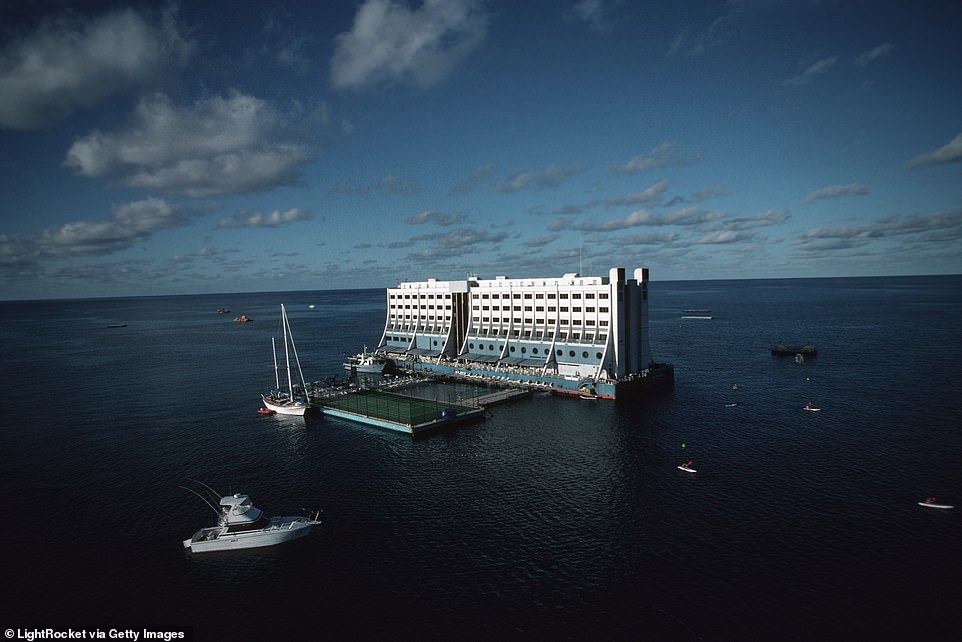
x: 579, y: 335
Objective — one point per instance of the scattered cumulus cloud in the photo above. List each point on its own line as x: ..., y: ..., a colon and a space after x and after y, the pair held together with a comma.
x: 813, y: 71
x: 552, y: 176
x: 390, y: 42
x: 722, y: 237
x: 643, y: 217
x: 438, y: 218
x: 835, y: 191
x: 217, y: 145
x: 649, y: 197
x: 396, y: 185
x: 129, y: 224
x: 937, y: 227
x: 647, y: 238
x: 468, y: 185
x: 949, y: 153
x: 541, y: 241
x: 71, y: 62
x: 259, y: 219
x: 664, y: 155
x: 765, y: 219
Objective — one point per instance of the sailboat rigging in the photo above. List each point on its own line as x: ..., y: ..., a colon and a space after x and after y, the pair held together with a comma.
x: 292, y: 401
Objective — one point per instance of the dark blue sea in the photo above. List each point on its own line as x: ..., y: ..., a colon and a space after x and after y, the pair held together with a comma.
x: 553, y: 519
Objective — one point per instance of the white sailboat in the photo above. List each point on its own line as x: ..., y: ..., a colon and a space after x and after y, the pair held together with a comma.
x: 290, y: 401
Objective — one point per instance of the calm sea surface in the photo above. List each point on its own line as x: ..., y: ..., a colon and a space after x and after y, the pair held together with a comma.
x: 553, y: 519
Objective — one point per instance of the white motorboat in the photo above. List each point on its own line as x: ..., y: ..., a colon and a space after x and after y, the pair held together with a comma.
x: 292, y: 401
x: 365, y: 363
x: 240, y: 524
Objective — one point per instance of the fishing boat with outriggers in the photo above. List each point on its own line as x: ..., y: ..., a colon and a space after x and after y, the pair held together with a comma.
x: 292, y: 400
x: 240, y: 524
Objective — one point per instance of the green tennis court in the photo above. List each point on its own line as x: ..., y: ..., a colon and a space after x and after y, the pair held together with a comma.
x: 392, y: 407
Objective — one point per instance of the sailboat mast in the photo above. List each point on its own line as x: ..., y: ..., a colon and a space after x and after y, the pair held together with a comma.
x: 277, y: 377
x: 287, y: 358
x: 297, y: 359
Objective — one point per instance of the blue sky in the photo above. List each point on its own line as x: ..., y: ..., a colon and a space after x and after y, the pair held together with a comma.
x: 233, y: 146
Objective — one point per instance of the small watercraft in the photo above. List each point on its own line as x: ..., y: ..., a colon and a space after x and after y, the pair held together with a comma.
x: 240, y: 524
x: 687, y: 468
x: 366, y: 362
x: 265, y: 411
x: 809, y: 407
x: 292, y: 400
x: 930, y: 502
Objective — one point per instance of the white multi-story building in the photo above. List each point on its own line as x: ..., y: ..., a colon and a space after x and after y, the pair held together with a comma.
x: 569, y: 327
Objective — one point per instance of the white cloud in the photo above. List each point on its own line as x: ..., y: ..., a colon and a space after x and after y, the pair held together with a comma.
x: 259, y: 219
x: 390, y: 42
x: 467, y: 186
x: 936, y: 227
x: 948, y: 153
x: 874, y: 54
x: 650, y: 196
x: 663, y: 155
x: 438, y: 218
x: 396, y: 185
x: 129, y: 224
x: 594, y: 13
x: 214, y: 146
x: 835, y: 191
x: 74, y: 62
x: 813, y: 71
x: 695, y: 43
x: 552, y: 176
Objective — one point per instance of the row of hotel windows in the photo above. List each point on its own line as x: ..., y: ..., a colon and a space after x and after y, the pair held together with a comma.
x: 524, y: 349
x: 602, y: 322
x: 534, y: 350
x: 505, y: 295
x: 574, y: 337
x: 517, y: 320
x: 422, y: 296
x: 541, y: 295
x: 538, y: 308
x: 432, y: 317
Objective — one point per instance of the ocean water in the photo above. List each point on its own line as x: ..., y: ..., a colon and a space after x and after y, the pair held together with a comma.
x: 553, y: 519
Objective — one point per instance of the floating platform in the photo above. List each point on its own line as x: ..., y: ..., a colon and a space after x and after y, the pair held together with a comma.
x: 393, y: 411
